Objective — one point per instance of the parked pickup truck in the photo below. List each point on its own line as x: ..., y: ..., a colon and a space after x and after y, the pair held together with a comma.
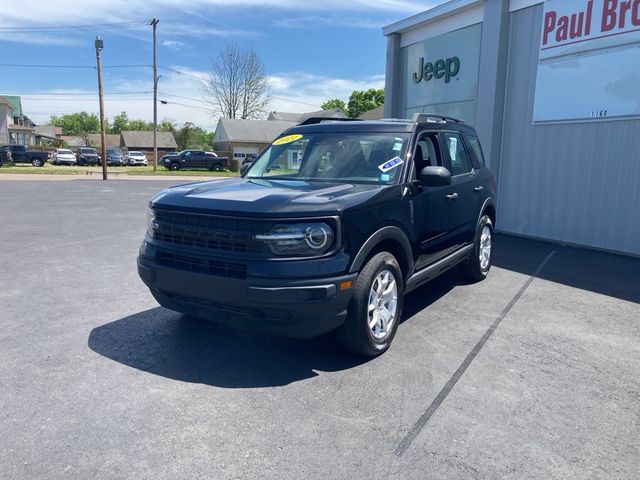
x: 192, y: 159
x: 20, y: 154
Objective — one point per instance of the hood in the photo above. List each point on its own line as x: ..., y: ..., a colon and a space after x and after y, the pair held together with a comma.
x: 272, y: 198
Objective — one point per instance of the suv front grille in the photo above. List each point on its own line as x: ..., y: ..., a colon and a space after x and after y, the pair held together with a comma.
x: 218, y: 268
x: 217, y: 234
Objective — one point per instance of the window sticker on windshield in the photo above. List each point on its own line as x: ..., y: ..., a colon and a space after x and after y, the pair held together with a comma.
x: 385, y: 177
x: 287, y: 139
x: 397, y: 147
x: 390, y: 165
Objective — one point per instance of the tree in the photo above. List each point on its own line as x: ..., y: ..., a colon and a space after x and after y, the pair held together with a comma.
x: 334, y: 103
x: 191, y: 136
x: 363, y: 101
x: 79, y: 124
x: 167, y: 125
x: 237, y: 86
x: 122, y: 123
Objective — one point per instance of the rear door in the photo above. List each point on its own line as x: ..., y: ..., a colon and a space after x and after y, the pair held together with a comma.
x: 459, y: 161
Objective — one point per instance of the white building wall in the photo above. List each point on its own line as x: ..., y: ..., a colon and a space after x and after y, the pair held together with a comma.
x: 574, y: 182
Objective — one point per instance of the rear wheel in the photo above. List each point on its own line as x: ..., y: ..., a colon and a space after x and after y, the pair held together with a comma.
x: 477, y: 267
x: 175, y: 166
x: 216, y: 168
x: 36, y: 162
x: 375, y: 309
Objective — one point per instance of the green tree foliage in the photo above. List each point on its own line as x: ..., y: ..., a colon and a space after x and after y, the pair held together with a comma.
x: 190, y: 136
x: 77, y: 124
x: 334, y: 103
x: 363, y: 101
x: 121, y: 123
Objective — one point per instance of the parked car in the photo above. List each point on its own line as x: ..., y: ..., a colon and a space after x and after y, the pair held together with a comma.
x: 87, y: 156
x: 115, y: 157
x: 20, y: 154
x: 195, y: 159
x: 327, y: 230
x: 63, y: 156
x: 136, y: 158
x: 5, y: 157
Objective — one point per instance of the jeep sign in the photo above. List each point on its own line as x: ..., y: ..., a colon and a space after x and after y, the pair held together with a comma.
x: 440, y: 68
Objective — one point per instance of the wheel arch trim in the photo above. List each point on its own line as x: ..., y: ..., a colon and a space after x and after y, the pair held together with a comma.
x: 392, y: 233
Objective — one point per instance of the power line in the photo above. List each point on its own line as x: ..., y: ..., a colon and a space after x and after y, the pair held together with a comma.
x: 79, y: 28
x: 71, y: 94
x: 89, y: 67
x: 165, y: 102
x: 180, y: 72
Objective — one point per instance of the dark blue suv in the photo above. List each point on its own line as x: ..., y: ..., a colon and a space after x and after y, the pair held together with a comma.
x: 327, y: 230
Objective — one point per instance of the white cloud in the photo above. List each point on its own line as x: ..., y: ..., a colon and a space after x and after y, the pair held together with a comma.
x: 293, y: 92
x: 175, y: 45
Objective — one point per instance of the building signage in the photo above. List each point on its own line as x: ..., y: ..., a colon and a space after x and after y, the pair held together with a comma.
x: 589, y: 60
x: 440, y: 74
x: 440, y: 68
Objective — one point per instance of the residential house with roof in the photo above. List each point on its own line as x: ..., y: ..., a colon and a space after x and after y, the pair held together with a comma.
x: 111, y: 139
x: 143, y: 142
x: 241, y: 138
x: 15, y: 127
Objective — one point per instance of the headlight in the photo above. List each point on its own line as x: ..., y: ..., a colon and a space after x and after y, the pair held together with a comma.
x: 299, y: 239
x: 151, y: 222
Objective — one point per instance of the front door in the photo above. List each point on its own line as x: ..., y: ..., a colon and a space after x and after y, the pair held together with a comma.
x: 436, y: 213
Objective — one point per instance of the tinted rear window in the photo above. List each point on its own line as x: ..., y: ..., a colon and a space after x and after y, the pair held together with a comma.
x: 476, y: 149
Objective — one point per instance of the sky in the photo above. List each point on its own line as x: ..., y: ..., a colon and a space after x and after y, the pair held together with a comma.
x: 312, y: 51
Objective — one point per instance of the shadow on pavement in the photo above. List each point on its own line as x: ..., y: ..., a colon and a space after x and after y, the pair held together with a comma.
x: 608, y: 274
x: 183, y: 348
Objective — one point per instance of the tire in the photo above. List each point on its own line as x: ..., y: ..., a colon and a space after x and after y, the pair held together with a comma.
x: 175, y: 166
x: 36, y: 162
x: 216, y: 168
x: 357, y: 334
x: 477, y: 267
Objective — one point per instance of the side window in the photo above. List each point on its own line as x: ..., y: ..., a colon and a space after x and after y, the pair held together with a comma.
x: 476, y: 151
x: 459, y: 158
x: 427, y: 153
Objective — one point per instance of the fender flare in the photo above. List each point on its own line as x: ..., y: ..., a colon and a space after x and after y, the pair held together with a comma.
x: 385, y: 233
x: 489, y: 202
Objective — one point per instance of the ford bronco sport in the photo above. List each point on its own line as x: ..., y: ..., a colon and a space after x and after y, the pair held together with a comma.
x: 327, y: 230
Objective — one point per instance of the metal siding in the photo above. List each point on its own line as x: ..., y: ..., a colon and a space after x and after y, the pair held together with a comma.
x: 577, y: 183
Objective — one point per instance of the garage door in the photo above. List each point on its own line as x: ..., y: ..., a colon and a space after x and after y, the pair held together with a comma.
x: 244, y: 152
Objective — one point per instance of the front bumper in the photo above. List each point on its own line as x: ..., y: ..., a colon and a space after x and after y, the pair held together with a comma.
x: 295, y: 308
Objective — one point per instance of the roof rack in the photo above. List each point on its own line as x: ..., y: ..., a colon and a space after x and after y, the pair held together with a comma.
x: 316, y: 120
x: 426, y: 117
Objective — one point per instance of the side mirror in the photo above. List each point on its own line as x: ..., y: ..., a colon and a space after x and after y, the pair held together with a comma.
x: 244, y: 168
x: 435, y: 177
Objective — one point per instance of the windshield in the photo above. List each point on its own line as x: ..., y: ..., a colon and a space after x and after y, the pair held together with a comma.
x: 88, y: 150
x: 65, y: 152
x: 135, y: 154
x: 114, y: 151
x: 352, y: 157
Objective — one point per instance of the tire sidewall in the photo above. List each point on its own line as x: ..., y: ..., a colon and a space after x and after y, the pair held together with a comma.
x: 484, y: 221
x: 383, y: 261
x: 174, y: 166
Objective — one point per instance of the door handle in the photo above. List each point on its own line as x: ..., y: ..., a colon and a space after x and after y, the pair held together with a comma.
x: 479, y: 188
x: 452, y: 196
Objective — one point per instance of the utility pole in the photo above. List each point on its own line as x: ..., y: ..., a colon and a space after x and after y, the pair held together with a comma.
x: 103, y: 137
x: 154, y: 24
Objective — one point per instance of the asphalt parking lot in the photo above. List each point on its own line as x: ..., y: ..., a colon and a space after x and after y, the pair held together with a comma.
x: 521, y: 376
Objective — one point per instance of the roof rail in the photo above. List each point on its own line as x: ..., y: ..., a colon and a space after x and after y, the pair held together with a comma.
x: 316, y: 120
x: 425, y: 117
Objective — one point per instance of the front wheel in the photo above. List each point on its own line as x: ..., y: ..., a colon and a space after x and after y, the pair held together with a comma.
x: 175, y: 166
x: 477, y: 267
x: 36, y: 162
x: 375, y: 309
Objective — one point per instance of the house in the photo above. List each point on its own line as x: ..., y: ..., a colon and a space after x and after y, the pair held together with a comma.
x: 284, y: 117
x: 47, y: 133
x: 15, y: 127
x: 244, y: 138
x: 112, y: 140
x: 374, y: 114
x: 143, y: 142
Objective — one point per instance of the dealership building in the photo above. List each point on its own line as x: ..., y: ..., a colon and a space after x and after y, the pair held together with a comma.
x: 553, y: 89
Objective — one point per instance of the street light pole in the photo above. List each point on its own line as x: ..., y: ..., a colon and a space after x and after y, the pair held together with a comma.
x: 103, y: 137
x: 154, y: 24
